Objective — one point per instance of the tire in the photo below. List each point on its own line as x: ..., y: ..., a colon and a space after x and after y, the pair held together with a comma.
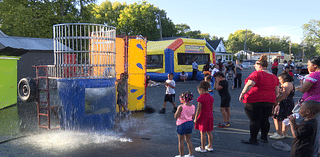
x: 27, y: 89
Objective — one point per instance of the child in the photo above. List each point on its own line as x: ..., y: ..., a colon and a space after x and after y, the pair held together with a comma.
x: 287, y: 70
x: 122, y: 93
x: 204, y: 117
x: 170, y: 84
x: 150, y: 82
x: 222, y: 86
x: 208, y: 79
x: 284, y: 108
x: 214, y: 71
x: 184, y: 116
x: 305, y: 133
x: 183, y: 76
x: 230, y: 72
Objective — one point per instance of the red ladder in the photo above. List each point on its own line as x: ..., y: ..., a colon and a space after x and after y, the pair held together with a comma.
x: 44, y: 105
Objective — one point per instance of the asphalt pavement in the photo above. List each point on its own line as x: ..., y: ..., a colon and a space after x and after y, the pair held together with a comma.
x: 139, y: 135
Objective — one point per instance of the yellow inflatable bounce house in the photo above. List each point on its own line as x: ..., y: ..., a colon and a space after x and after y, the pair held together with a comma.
x: 175, y: 56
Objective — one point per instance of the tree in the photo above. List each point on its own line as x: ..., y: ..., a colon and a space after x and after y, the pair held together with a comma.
x: 182, y: 29
x: 35, y: 18
x: 311, y: 32
x: 108, y: 13
x: 141, y: 19
x: 311, y: 37
x: 257, y: 43
x: 236, y: 40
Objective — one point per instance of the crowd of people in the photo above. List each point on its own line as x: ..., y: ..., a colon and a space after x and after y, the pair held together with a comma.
x: 265, y: 94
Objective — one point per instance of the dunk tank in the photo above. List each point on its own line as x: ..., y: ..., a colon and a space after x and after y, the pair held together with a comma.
x: 85, y: 72
x: 85, y: 57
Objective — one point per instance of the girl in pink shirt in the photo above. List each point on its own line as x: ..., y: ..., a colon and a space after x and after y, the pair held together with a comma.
x: 184, y: 115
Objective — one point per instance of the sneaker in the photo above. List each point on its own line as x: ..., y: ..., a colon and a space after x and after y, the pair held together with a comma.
x: 162, y: 111
x: 209, y: 149
x: 286, y: 136
x: 189, y: 155
x: 277, y: 137
x: 179, y: 156
x: 222, y: 125
x: 174, y: 110
x: 198, y: 149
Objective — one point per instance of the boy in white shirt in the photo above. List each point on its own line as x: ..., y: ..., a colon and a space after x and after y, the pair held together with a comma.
x: 170, y: 94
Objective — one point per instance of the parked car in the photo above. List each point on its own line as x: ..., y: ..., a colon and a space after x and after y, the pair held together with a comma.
x: 248, y: 65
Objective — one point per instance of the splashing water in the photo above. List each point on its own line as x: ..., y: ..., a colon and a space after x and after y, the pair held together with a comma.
x: 69, y: 141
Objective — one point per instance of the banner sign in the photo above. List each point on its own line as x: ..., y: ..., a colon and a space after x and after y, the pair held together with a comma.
x: 194, y: 49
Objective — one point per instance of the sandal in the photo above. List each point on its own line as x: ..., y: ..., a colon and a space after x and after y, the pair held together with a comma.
x: 199, y: 149
x: 209, y: 149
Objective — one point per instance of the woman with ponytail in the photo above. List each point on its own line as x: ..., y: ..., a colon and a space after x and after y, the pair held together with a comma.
x: 259, y: 95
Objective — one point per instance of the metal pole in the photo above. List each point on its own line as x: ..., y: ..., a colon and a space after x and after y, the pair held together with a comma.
x: 160, y: 26
x: 269, y: 54
x: 245, y: 45
x: 290, y: 50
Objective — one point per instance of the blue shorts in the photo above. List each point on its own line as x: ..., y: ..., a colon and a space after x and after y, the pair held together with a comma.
x: 185, y: 128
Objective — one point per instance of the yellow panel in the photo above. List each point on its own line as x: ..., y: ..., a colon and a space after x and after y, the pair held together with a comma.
x: 136, y: 71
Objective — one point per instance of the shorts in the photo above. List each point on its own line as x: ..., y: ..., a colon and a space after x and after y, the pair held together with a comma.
x: 185, y: 128
x: 225, y: 101
x: 169, y: 97
x: 121, y: 99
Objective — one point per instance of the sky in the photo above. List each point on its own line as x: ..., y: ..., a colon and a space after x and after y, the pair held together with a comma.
x: 220, y: 18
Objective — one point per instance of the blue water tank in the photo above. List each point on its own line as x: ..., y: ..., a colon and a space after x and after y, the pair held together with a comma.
x: 87, y: 104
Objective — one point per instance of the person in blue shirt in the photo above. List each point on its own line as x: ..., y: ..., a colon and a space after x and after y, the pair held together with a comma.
x: 194, y: 70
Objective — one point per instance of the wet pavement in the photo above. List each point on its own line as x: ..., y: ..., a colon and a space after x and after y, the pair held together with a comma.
x: 141, y: 134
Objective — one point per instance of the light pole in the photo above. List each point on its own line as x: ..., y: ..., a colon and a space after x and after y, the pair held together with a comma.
x: 269, y: 54
x: 290, y: 49
x: 159, y: 20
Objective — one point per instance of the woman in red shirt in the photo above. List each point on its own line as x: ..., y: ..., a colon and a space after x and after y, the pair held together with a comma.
x: 274, y: 67
x: 259, y: 95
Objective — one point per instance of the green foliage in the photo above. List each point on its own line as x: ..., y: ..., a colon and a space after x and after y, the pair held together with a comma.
x: 182, y: 29
x: 311, y: 32
x: 257, y: 43
x: 35, y: 18
x: 311, y: 38
x: 107, y: 12
x: 142, y: 19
